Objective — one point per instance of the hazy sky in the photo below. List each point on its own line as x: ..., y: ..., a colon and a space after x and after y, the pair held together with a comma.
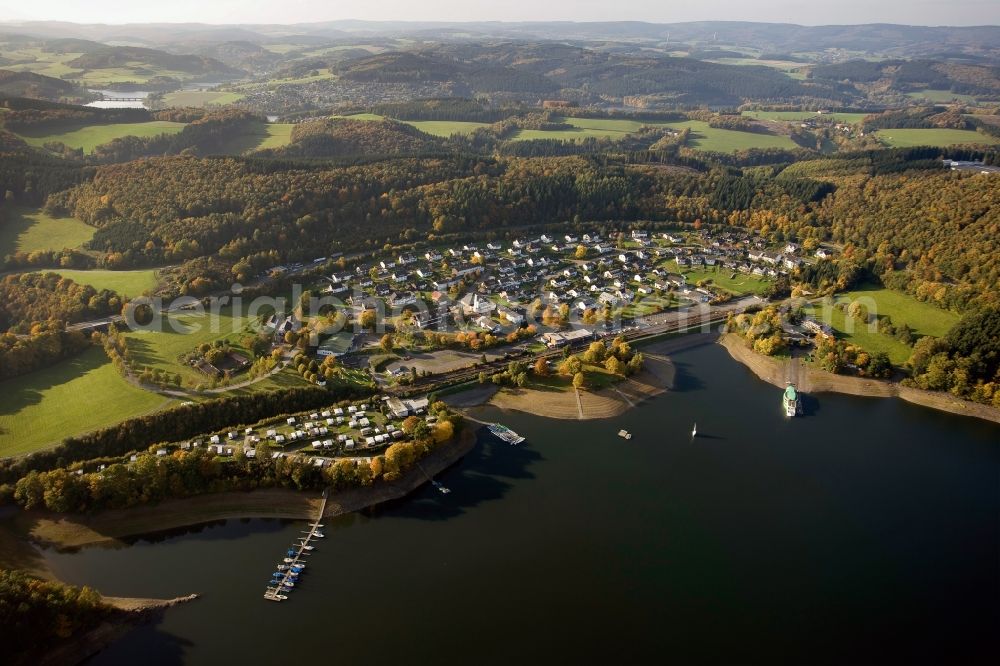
x: 913, y: 12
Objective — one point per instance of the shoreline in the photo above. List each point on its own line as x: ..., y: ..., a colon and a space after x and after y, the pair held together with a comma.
x: 656, y: 378
x: 127, y: 614
x: 810, y: 380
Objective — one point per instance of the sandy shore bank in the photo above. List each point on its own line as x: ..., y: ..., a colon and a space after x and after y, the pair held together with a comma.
x: 109, y: 527
x: 812, y: 380
x: 656, y: 377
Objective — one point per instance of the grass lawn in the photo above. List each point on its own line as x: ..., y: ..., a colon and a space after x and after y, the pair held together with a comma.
x: 89, y: 137
x: 867, y: 338
x: 260, y: 137
x: 124, y: 283
x: 28, y: 230
x: 182, y: 333
x: 905, y: 138
x: 72, y: 397
x: 445, y: 128
x: 200, y: 98
x: 923, y: 318
x: 852, y: 118
x: 583, y: 128
x: 717, y: 140
x: 442, y: 128
x: 942, y: 96
x: 739, y: 285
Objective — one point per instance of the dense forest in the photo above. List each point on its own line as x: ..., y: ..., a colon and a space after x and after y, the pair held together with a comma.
x: 46, y: 345
x: 39, y: 297
x: 965, y: 362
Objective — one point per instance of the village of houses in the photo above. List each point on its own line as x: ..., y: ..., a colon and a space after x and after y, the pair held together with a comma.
x: 494, y: 288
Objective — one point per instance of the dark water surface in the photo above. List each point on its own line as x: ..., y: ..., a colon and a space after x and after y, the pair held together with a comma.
x: 866, y: 531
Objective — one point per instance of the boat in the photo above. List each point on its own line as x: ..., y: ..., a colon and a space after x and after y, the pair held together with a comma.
x: 694, y: 430
x: 624, y: 434
x: 319, y: 535
x: 289, y: 560
x: 791, y: 401
x: 440, y: 487
x: 307, y: 547
x: 505, y: 433
x: 282, y: 567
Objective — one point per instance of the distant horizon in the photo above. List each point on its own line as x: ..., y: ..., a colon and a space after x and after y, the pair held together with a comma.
x: 26, y: 21
x: 918, y: 13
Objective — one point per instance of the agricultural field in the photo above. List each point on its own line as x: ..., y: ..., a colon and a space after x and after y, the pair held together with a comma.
x: 442, y: 128
x: 123, y: 283
x: 200, y: 98
x: 906, y: 138
x: 261, y: 137
x: 923, y: 318
x: 34, y: 59
x: 942, y: 96
x: 72, y: 397
x: 583, y: 128
x: 837, y: 116
x: 717, y: 140
x: 30, y: 230
x: 445, y: 128
x: 89, y: 137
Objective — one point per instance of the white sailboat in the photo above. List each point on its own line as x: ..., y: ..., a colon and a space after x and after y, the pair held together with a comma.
x: 694, y: 430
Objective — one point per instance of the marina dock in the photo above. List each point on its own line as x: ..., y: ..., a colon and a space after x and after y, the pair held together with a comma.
x: 294, y: 562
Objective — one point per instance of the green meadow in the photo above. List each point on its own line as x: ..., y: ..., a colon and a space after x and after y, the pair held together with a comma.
x: 442, y: 128
x: 78, y: 395
x: 923, y: 318
x: 906, y: 138
x: 942, y: 96
x: 30, y: 230
x: 260, y: 137
x: 124, y: 283
x: 445, y: 128
x: 89, y: 137
x: 837, y: 116
x: 717, y: 140
x: 583, y: 128
x: 180, y: 334
x: 739, y: 285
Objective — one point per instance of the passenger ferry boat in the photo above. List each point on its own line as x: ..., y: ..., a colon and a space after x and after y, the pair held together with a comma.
x: 505, y: 433
x: 791, y: 401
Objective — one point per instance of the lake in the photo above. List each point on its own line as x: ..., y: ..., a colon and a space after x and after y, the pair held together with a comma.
x: 865, y: 531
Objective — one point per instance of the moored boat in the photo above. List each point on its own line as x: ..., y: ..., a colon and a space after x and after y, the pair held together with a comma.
x: 505, y: 433
x: 790, y: 401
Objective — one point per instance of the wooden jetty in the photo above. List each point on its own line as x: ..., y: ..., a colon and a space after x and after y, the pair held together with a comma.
x: 274, y: 592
